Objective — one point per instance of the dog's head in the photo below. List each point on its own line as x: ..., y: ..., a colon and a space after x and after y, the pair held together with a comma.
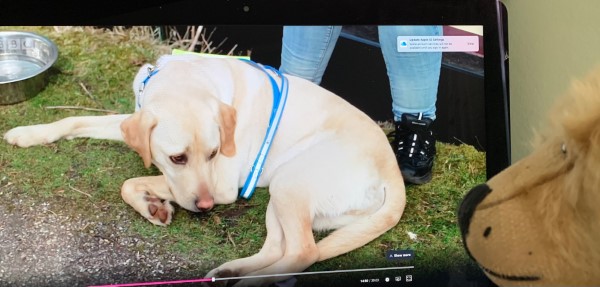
x: 538, y: 221
x: 183, y: 129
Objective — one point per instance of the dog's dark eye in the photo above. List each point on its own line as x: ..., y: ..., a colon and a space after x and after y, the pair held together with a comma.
x: 213, y: 154
x: 179, y: 159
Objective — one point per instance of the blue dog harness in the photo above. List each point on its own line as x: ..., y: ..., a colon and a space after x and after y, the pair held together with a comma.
x: 279, y: 99
x: 138, y: 100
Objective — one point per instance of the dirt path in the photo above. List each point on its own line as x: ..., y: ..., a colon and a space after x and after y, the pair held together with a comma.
x: 40, y: 245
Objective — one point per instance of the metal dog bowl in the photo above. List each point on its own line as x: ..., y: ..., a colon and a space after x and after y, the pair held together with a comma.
x: 24, y: 62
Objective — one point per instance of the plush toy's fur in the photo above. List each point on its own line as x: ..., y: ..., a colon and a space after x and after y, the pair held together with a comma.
x: 538, y: 221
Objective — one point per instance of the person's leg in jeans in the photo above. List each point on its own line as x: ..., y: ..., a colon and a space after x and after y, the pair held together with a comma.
x: 306, y: 50
x: 414, y: 81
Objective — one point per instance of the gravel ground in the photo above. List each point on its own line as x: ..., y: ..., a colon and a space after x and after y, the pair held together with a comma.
x: 43, y: 245
x: 40, y: 245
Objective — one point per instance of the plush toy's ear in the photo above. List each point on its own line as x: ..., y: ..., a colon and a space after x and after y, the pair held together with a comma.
x: 227, y: 118
x: 136, y: 132
x: 578, y: 111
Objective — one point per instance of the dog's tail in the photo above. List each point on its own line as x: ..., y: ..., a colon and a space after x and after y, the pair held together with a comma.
x: 364, y: 230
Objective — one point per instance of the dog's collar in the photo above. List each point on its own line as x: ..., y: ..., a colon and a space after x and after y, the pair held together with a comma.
x: 279, y: 98
x: 151, y: 72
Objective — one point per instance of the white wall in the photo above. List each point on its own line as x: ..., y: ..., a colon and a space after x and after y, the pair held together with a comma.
x: 550, y: 43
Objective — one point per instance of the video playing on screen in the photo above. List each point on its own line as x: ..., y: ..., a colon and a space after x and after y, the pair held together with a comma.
x: 300, y: 156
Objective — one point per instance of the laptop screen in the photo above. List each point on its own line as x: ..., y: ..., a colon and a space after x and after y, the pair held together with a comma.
x: 67, y: 193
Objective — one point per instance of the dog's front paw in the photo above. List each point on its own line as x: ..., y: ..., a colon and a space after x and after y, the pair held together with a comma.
x: 27, y: 136
x: 159, y: 211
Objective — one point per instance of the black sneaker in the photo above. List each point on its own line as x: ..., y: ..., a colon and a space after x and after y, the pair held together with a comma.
x: 414, y: 146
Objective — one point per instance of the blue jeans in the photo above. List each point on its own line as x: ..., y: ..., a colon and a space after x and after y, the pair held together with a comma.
x: 414, y: 77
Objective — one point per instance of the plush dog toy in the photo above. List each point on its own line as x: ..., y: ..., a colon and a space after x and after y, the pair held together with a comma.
x: 537, y: 223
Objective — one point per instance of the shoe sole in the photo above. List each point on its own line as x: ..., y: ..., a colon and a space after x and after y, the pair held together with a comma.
x: 417, y: 180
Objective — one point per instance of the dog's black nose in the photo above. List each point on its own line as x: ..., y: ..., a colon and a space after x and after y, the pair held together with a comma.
x: 469, y: 204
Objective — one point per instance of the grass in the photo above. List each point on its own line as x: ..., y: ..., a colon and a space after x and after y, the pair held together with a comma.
x: 95, y: 70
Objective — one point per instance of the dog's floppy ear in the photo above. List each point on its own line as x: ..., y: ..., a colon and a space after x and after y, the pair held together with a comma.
x: 136, y: 132
x: 227, y: 117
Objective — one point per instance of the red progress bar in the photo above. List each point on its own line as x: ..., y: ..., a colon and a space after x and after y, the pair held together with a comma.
x: 158, y: 283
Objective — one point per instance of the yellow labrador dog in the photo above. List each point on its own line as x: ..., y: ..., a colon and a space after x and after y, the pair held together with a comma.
x: 202, y: 121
